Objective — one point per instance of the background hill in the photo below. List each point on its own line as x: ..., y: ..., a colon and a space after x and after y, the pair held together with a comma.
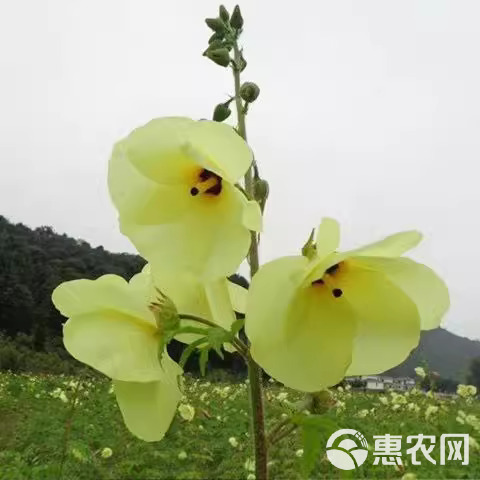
x: 444, y: 352
x: 34, y: 261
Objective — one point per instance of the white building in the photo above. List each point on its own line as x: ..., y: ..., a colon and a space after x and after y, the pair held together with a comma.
x: 380, y: 383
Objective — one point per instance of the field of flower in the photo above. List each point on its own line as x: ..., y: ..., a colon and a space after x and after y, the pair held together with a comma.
x: 65, y: 427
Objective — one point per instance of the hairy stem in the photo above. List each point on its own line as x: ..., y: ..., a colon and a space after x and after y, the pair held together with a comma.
x: 254, y: 371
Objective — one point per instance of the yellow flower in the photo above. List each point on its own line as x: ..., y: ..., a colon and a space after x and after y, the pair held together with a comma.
x: 466, y: 391
x: 473, y: 443
x: 233, y: 442
x: 172, y: 182
x: 187, y: 412
x: 182, y: 455
x: 311, y: 321
x: 282, y: 396
x: 106, y: 452
x: 430, y: 410
x: 413, y: 407
x: 420, y: 372
x: 249, y: 465
x: 111, y: 329
x: 215, y: 300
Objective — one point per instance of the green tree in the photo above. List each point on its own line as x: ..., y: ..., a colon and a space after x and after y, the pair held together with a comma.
x: 473, y: 377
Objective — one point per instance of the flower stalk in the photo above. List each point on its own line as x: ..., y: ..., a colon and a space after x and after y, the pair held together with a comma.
x: 254, y: 371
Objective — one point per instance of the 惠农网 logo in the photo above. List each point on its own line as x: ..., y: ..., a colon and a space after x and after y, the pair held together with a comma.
x: 347, y: 449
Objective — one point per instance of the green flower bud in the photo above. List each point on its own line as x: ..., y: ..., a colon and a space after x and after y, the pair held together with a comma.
x: 221, y: 112
x: 249, y: 91
x: 215, y: 45
x: 216, y: 36
x: 216, y: 24
x: 321, y: 402
x: 220, y: 56
x: 261, y: 190
x: 243, y: 63
x: 236, y: 21
x: 309, y: 250
x: 223, y: 13
x: 165, y: 312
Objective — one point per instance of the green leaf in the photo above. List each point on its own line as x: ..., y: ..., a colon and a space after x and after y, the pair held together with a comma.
x: 312, y: 446
x: 321, y: 422
x: 203, y: 360
x: 217, y: 337
x: 315, y: 429
x: 237, y: 325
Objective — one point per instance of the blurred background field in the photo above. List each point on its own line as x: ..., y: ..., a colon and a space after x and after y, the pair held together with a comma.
x: 57, y: 426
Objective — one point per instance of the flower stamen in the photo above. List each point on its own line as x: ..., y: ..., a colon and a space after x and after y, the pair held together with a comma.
x: 208, y: 182
x: 328, y: 281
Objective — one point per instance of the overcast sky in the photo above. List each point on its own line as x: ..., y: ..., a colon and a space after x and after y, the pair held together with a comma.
x: 369, y: 112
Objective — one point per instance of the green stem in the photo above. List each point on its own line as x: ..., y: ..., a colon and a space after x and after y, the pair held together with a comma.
x: 203, y: 321
x: 254, y: 371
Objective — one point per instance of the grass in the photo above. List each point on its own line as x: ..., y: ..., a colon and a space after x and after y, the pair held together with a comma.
x: 41, y: 438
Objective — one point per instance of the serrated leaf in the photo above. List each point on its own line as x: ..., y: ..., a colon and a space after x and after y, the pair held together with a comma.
x: 203, y: 360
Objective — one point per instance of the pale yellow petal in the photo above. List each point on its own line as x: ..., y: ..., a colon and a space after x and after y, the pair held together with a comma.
x: 119, y: 345
x: 108, y: 292
x: 220, y: 303
x: 187, y: 293
x: 420, y: 283
x: 252, y: 216
x: 388, y: 325
x: 328, y: 237
x: 149, y: 408
x: 271, y: 291
x: 301, y: 336
x: 210, y: 240
x: 391, y: 246
x: 140, y: 200
x: 220, y: 149
x: 238, y: 297
x: 157, y: 150
x: 142, y: 287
